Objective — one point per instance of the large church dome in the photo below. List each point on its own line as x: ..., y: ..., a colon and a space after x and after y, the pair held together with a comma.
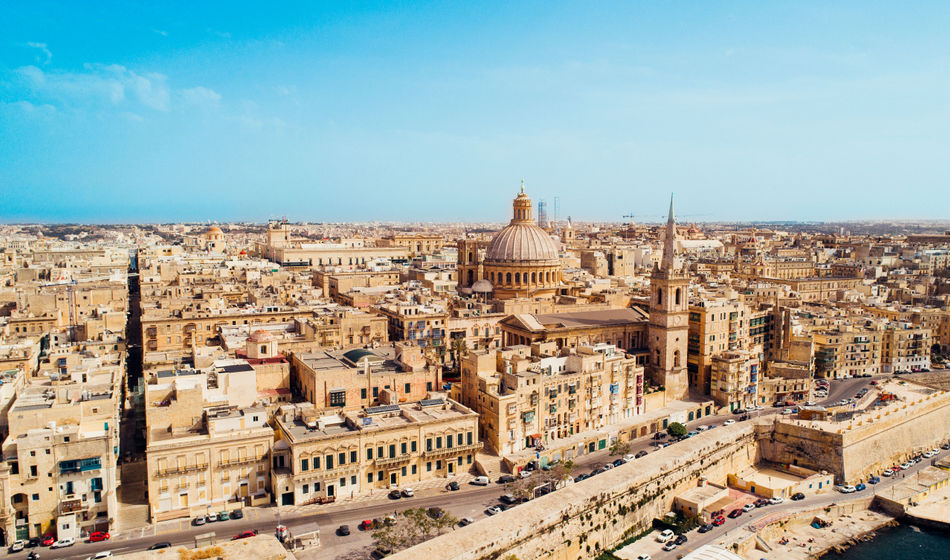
x: 522, y: 260
x: 522, y: 241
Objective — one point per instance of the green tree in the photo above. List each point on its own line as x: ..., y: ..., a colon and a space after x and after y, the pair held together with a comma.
x: 619, y: 448
x: 412, y: 526
x: 676, y: 430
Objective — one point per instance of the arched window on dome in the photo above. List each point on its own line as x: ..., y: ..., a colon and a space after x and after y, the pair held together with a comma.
x: 508, y: 279
x: 659, y: 296
x: 534, y: 277
x: 517, y: 277
x: 678, y: 296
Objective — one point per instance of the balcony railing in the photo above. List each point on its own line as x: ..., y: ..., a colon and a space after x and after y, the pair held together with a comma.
x: 452, y: 450
x: 71, y: 506
x: 182, y: 469
x: 390, y: 461
x: 240, y: 461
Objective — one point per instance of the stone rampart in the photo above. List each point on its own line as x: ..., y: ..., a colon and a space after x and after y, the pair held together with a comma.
x: 582, y: 519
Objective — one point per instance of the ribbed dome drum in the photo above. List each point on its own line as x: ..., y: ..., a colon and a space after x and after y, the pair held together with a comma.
x: 521, y: 242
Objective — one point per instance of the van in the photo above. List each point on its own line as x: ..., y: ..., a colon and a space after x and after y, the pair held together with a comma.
x: 481, y: 481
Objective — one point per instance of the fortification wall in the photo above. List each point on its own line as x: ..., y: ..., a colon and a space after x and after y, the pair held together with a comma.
x: 582, y: 519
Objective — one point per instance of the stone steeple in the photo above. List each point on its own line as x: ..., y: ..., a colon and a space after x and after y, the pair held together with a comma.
x: 669, y: 242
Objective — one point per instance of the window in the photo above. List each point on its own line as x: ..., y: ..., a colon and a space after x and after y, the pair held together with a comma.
x: 353, y: 480
x: 428, y: 444
x: 363, y: 393
x: 413, y: 446
x: 470, y: 438
x: 413, y: 469
x: 438, y: 442
x: 329, y: 462
x: 342, y: 482
x: 459, y: 438
x: 402, y: 448
x: 407, y: 388
x: 338, y: 398
x: 428, y: 385
x: 369, y: 477
x: 428, y: 466
x: 375, y: 392
x: 392, y: 450
x: 35, y: 497
x: 403, y: 471
x: 316, y: 463
x: 342, y: 457
x: 305, y: 464
x: 379, y: 452
x: 352, y: 456
x: 305, y: 489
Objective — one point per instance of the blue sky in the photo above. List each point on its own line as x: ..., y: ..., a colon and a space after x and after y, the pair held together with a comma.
x: 435, y: 111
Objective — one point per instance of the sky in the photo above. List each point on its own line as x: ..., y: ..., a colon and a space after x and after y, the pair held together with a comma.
x: 412, y: 111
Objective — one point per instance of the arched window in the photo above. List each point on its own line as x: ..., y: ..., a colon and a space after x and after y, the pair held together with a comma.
x: 508, y: 278
x: 676, y: 359
x: 678, y: 296
x: 492, y: 277
x: 659, y: 296
x: 517, y: 277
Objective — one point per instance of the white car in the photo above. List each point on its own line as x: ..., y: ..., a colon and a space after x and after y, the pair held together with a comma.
x: 776, y: 500
x: 665, y: 536
x: 669, y: 546
x: 101, y: 555
x: 930, y: 454
x: 493, y: 510
x: 729, y: 422
x: 629, y: 457
x: 17, y: 546
x: 906, y: 465
x: 483, y: 480
x: 523, y: 474
x: 787, y: 411
x: 847, y: 489
x: 63, y: 543
x: 887, y: 472
x: 407, y: 493
x: 644, y: 557
x: 748, y: 507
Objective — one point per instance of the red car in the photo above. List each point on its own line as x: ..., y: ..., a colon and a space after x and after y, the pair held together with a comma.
x: 719, y: 521
x: 735, y: 513
x: 48, y: 540
x: 99, y: 536
x: 245, y: 534
x: 366, y: 525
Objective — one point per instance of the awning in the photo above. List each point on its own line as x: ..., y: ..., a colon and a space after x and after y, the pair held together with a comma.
x: 535, y: 436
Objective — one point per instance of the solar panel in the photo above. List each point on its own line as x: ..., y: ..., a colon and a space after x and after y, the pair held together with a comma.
x: 382, y: 408
x: 431, y: 402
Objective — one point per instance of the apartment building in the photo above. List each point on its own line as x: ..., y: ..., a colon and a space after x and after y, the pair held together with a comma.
x: 321, y: 458
x: 423, y: 325
x: 734, y: 379
x: 848, y: 352
x: 530, y: 396
x: 906, y: 348
x: 364, y: 377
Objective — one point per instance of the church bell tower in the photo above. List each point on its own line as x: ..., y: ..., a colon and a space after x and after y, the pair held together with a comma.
x: 668, y: 329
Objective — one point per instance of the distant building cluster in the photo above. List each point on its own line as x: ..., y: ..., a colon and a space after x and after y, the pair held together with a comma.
x: 241, y: 365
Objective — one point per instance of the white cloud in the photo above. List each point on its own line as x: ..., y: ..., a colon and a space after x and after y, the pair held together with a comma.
x: 199, y: 96
x: 44, y: 56
x: 161, y: 32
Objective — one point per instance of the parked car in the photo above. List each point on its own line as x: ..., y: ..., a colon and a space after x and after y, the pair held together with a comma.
x: 381, y: 551
x: 343, y: 530
x: 17, y: 546
x: 665, y: 536
x: 211, y: 518
x: 524, y: 474
x: 907, y: 465
x: 680, y: 539
x: 874, y: 480
x: 223, y: 516
x: 581, y: 477
x: 761, y: 502
x: 505, y: 479
x: 160, y: 545
x: 669, y: 546
x: 98, y: 536
x: 493, y: 510
x: 237, y: 514
x: 608, y: 466
x: 366, y: 525
x: 860, y: 486
x: 718, y: 520
x: 798, y: 496
x: 101, y: 555
x: 198, y: 521
x: 644, y: 557
x: 63, y: 543
x: 453, y: 486
x: 706, y: 528
x: 481, y: 481
x: 253, y: 533
x: 395, y: 495
x: 642, y: 453
x: 729, y: 422
x: 735, y: 513
x: 33, y: 542
x: 776, y: 500
x: 466, y: 521
x: 945, y: 446
x: 507, y: 499
x: 929, y: 454
x: 407, y: 493
x: 618, y: 462
x: 48, y: 540
x: 887, y: 472
x: 846, y: 489
x: 748, y: 507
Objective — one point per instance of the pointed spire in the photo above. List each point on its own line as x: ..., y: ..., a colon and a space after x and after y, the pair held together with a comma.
x: 669, y: 242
